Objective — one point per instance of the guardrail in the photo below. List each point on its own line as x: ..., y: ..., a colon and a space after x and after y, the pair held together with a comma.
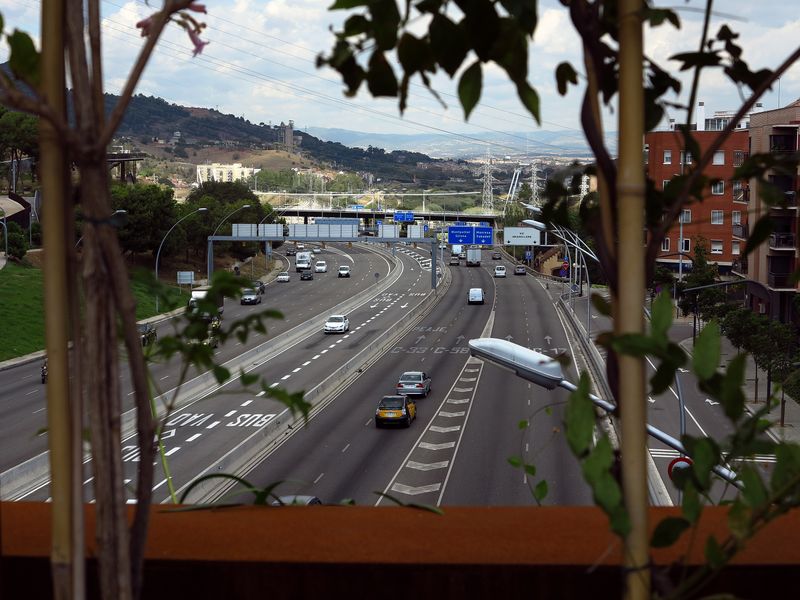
x: 34, y: 472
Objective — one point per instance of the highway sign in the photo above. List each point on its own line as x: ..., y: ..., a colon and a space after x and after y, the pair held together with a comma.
x: 483, y: 235
x: 403, y: 216
x: 527, y: 255
x: 379, y: 222
x: 425, y: 228
x: 460, y: 235
x: 484, y: 224
x: 356, y: 207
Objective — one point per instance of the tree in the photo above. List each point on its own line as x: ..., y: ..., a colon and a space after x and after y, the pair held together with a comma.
x: 703, y: 302
x: 17, y: 244
x: 224, y: 192
x: 461, y: 42
x: 19, y: 137
x: 151, y: 211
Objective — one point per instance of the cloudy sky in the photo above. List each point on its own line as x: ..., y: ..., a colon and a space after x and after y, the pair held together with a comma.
x: 260, y: 64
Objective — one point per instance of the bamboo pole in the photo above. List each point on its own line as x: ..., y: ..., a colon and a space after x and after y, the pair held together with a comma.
x: 631, y: 275
x: 59, y: 424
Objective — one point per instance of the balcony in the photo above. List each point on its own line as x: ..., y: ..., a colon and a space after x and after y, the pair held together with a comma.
x: 739, y: 267
x: 740, y: 230
x: 781, y: 281
x: 741, y: 195
x: 781, y: 241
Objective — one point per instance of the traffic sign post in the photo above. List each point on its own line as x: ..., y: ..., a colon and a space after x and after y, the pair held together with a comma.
x: 679, y: 463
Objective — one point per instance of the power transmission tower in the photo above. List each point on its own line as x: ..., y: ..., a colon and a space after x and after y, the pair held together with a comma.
x: 487, y: 200
x: 584, y: 186
x: 536, y: 185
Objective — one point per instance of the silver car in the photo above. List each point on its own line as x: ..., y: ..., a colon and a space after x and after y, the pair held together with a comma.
x: 414, y: 383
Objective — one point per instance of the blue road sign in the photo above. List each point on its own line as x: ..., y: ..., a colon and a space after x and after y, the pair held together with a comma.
x: 425, y: 228
x: 460, y: 224
x: 379, y: 221
x: 483, y: 224
x: 460, y: 235
x: 483, y: 235
x: 356, y: 207
x: 527, y: 254
x: 403, y: 216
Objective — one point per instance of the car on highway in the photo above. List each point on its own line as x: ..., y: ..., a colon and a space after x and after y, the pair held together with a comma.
x: 475, y: 296
x: 496, y: 255
x: 250, y: 296
x: 454, y: 261
x: 414, y: 383
x: 306, y: 275
x: 212, y: 339
x: 520, y: 270
x: 291, y: 251
x: 392, y: 410
x: 148, y: 334
x: 316, y: 250
x: 344, y: 271
x: 499, y: 271
x: 320, y: 266
x: 336, y: 324
x: 300, y: 246
x: 283, y: 277
x: 258, y: 286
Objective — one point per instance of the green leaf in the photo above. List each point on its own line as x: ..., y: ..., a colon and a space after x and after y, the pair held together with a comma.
x: 754, y: 491
x: 530, y: 99
x: 469, y: 88
x: 345, y: 4
x: 787, y: 465
x: 739, y: 520
x: 705, y: 454
x: 23, y: 60
x: 760, y: 232
x: 355, y: 25
x: 706, y: 351
x: 661, y: 316
x: 691, y: 507
x: 221, y: 374
x: 714, y: 554
x: 530, y: 469
x: 662, y: 378
x: 515, y: 461
x: 413, y: 53
x: 448, y: 43
x: 540, y: 491
x: 380, y: 77
x: 731, y: 395
x: 657, y: 16
x: 668, y: 531
x: 635, y: 344
x: 565, y: 75
x: 692, y: 60
x: 524, y: 424
x: 247, y: 379
x: 385, y: 23
x: 579, y: 417
x: 601, y: 305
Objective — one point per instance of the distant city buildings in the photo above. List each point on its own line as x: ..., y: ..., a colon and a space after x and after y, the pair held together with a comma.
x: 225, y: 173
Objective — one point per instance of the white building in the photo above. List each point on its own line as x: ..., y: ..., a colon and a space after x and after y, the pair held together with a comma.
x: 220, y: 172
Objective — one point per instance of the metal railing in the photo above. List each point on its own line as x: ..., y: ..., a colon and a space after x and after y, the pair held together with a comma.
x: 740, y: 230
x: 782, y: 240
x: 781, y: 280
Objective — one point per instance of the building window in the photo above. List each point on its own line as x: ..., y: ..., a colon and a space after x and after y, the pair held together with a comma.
x: 716, y: 246
x: 646, y: 153
x: 719, y: 158
x: 665, y: 245
x: 736, y: 217
x: 738, y: 193
x: 735, y: 248
x: 686, y: 216
x: 687, y: 245
x: 686, y: 158
x: 667, y: 157
x: 738, y: 157
x: 718, y: 188
x: 665, y: 183
x: 717, y: 217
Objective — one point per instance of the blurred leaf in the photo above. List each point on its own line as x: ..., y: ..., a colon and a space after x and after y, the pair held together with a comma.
x: 565, y: 74
x: 344, y: 4
x: 731, y: 395
x: 754, y: 492
x: 760, y: 232
x: 661, y: 316
x: 540, y: 491
x: 530, y: 469
x: 691, y: 507
x: 247, y: 379
x: 635, y: 344
x: 515, y: 461
x: 739, y: 520
x: 706, y: 351
x: 380, y: 77
x: 469, y: 88
x: 448, y: 43
x: 579, y: 418
x: 714, y: 554
x: 705, y: 454
x: 413, y: 53
x: 524, y: 424
x: 668, y: 531
x: 221, y: 374
x: 787, y: 465
x: 662, y: 378
x: 601, y: 304
x: 530, y: 99
x: 23, y: 60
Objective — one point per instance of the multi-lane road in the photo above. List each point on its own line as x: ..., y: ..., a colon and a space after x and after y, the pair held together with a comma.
x: 456, y: 452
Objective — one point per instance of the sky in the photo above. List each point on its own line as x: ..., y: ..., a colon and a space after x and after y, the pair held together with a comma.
x: 260, y: 65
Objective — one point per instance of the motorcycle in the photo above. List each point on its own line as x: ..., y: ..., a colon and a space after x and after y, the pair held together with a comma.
x: 44, y: 373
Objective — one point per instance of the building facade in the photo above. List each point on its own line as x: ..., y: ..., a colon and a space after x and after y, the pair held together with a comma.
x: 723, y: 207
x: 773, y: 263
x: 220, y: 172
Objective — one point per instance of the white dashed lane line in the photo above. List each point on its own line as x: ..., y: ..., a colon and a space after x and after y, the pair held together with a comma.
x: 230, y: 414
x: 285, y: 377
x: 194, y: 437
x: 308, y: 362
x: 296, y: 370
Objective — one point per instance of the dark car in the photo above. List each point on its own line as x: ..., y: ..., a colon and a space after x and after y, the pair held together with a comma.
x: 258, y: 286
x: 250, y: 296
x: 520, y: 270
x: 291, y: 251
x: 147, y: 333
x: 395, y: 409
x: 496, y: 255
x: 307, y: 274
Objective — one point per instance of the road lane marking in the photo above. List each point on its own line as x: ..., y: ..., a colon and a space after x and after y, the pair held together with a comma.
x: 158, y: 485
x: 308, y: 362
x: 427, y: 466
x: 442, y: 446
x: 345, y: 448
x: 212, y: 425
x: 261, y: 393
x: 285, y: 377
x: 164, y: 377
x: 320, y: 476
x: 443, y: 413
x: 455, y: 389
x: 231, y: 413
x: 172, y: 451
x: 315, y: 357
x: 246, y: 402
x: 39, y: 410
x: 194, y: 437
x: 31, y: 392
x: 274, y: 385
x: 468, y: 379
x: 324, y: 351
x: 437, y: 429
x: 296, y: 370
x: 415, y: 491
x: 457, y: 400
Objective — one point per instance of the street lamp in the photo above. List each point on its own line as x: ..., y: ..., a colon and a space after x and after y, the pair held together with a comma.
x: 209, y: 266
x: 546, y: 372
x: 268, y: 245
x: 5, y: 230
x: 202, y: 209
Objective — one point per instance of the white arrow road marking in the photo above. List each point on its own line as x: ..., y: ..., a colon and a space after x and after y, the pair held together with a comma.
x: 404, y: 305
x: 443, y: 446
x: 650, y: 400
x: 548, y: 339
x: 471, y: 371
x: 468, y: 379
x: 374, y: 306
x: 427, y: 466
x: 414, y: 491
x: 454, y: 401
x: 455, y: 389
x: 711, y: 402
x: 437, y: 429
x: 443, y: 413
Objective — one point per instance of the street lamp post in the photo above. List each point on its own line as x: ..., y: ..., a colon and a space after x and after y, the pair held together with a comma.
x: 5, y: 231
x: 202, y: 209
x: 210, y: 266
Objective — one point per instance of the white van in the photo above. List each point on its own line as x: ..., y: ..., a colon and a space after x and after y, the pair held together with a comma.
x: 475, y: 296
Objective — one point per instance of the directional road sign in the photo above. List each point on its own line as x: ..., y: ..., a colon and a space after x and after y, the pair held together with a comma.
x: 403, y: 216
x: 460, y: 235
x: 483, y: 235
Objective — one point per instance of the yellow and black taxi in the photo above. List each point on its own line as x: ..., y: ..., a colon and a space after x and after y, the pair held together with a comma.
x: 400, y: 410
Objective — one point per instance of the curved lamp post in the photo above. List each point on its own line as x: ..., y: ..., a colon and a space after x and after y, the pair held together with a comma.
x: 5, y: 231
x: 202, y: 209
x: 209, y: 266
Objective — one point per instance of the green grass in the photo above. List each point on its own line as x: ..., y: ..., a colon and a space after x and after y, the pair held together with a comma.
x: 22, y: 308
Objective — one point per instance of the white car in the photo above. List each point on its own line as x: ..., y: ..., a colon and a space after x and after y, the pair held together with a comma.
x: 320, y: 267
x: 344, y: 271
x: 283, y: 277
x: 475, y: 296
x: 336, y: 324
x: 499, y: 271
x: 316, y: 250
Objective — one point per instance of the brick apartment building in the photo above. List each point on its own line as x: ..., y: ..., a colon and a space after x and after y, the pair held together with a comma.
x: 724, y: 205
x: 773, y: 262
